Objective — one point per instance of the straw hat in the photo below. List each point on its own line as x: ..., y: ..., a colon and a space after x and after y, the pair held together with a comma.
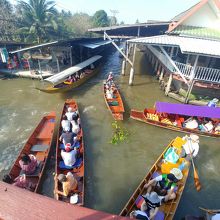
x: 177, y: 173
x: 194, y: 138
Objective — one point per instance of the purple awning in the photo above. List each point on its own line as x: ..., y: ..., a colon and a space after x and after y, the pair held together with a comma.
x: 190, y: 110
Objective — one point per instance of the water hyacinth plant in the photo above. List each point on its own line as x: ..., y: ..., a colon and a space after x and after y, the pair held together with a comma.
x: 119, y: 134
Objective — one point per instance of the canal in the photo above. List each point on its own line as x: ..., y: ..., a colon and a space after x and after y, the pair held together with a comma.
x: 112, y: 171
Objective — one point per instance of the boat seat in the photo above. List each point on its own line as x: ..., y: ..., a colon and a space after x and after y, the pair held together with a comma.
x: 77, y: 145
x: 39, y: 147
x: 75, y: 165
x: 52, y: 120
x: 36, y: 172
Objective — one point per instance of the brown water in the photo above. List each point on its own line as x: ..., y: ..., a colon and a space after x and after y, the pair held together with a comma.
x: 112, y: 171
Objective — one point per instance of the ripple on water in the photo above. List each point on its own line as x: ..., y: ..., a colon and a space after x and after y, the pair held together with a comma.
x: 89, y: 108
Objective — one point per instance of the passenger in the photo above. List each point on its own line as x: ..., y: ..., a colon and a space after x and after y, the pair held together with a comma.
x: 28, y: 163
x: 165, y: 184
x: 65, y: 123
x: 208, y: 127
x: 67, y: 137
x: 70, y: 113
x: 75, y: 127
x: 69, y: 183
x: 191, y: 123
x: 191, y: 147
x: 137, y: 214
x: 109, y: 94
x: 69, y: 156
x: 82, y: 75
x: 213, y: 102
x: 151, y: 204
x: 20, y: 181
x: 109, y: 80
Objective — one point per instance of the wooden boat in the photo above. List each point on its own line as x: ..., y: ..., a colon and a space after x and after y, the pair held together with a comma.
x: 209, y: 213
x: 77, y: 171
x: 38, y: 144
x: 172, y: 116
x: 115, y: 105
x: 168, y: 209
x: 60, y: 82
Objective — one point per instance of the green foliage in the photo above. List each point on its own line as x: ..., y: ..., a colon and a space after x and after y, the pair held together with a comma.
x: 100, y: 19
x: 119, y: 135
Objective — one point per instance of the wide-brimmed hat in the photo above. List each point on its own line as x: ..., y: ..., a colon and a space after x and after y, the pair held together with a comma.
x: 69, y: 109
x: 153, y: 197
x: 215, y: 100
x: 177, y: 173
x: 194, y: 138
x: 74, y: 198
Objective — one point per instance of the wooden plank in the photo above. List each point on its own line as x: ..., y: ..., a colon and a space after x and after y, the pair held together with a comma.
x: 17, y: 203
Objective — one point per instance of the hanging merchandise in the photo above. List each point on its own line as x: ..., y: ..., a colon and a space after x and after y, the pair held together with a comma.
x: 4, y: 55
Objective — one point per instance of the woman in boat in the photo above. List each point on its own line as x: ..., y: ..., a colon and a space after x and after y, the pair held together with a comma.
x: 28, y: 163
x: 165, y: 184
x: 70, y: 113
x: 69, y: 156
x: 20, y: 181
x: 65, y: 123
x: 69, y: 183
x: 137, y: 214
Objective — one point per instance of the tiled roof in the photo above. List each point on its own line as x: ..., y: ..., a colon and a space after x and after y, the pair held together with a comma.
x: 200, y: 32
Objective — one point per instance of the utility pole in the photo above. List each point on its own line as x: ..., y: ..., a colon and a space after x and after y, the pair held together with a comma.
x: 114, y: 12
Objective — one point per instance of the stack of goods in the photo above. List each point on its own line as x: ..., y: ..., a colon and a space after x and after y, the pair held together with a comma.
x: 152, y: 116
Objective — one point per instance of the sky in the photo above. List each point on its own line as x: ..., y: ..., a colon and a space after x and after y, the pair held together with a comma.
x: 128, y: 10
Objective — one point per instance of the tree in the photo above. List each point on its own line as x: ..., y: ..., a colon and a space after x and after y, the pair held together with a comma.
x: 100, y: 19
x: 79, y: 24
x: 7, y: 21
x: 137, y: 21
x: 38, y: 19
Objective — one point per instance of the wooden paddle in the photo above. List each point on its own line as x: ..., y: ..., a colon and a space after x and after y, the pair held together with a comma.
x: 211, y: 211
x: 196, y: 176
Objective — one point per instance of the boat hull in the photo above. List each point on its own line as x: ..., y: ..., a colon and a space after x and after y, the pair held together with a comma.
x: 77, y: 172
x: 116, y: 111
x: 168, y: 208
x: 38, y: 144
x: 141, y: 116
x: 68, y: 87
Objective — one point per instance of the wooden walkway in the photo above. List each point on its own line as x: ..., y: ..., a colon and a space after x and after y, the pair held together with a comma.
x: 17, y: 203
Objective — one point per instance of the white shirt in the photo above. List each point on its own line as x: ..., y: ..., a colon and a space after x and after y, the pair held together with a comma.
x: 109, y: 94
x: 69, y: 115
x: 75, y: 127
x: 192, y: 124
x: 216, y: 217
x: 69, y: 158
x: 65, y: 125
x: 191, y: 147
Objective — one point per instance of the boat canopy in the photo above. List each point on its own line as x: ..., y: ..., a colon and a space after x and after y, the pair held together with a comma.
x: 189, y: 110
x: 60, y: 77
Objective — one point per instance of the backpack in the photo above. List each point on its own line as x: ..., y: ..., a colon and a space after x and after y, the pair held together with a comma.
x: 171, y: 156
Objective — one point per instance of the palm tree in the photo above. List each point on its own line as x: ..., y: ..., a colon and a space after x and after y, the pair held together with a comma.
x: 38, y: 19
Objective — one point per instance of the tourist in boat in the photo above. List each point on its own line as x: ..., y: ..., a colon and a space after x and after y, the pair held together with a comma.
x: 213, y: 102
x: 68, y: 155
x: 75, y: 127
x: 165, y: 184
x: 109, y: 94
x: 191, y: 147
x: 65, y: 123
x: 191, y: 123
x: 151, y: 204
x: 28, y: 163
x: 208, y: 127
x: 69, y: 183
x: 70, y: 113
x: 67, y: 137
x: 109, y: 80
x: 20, y: 181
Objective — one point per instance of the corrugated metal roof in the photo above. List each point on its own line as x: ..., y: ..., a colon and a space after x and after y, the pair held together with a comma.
x: 200, y: 32
x: 96, y: 44
x: 186, y: 44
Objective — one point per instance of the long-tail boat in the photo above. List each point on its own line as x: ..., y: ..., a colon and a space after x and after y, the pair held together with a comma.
x: 60, y: 82
x: 78, y: 168
x: 167, y: 210
x: 114, y: 104
x: 38, y: 144
x: 173, y: 116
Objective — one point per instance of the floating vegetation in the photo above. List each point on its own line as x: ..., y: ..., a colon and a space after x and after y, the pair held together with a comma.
x: 119, y: 134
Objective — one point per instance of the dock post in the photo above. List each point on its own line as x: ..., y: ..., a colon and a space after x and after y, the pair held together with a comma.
x: 123, y: 68
x: 189, y: 91
x: 169, y: 84
x: 161, y: 74
x: 58, y: 66
x: 131, y: 76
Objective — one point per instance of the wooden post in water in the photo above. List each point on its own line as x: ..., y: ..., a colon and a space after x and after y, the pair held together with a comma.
x: 58, y: 65
x: 71, y: 56
x: 123, y: 68
x: 169, y: 84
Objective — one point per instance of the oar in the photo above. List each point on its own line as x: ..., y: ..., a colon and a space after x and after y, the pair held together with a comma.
x: 196, y: 176
x: 210, y: 210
